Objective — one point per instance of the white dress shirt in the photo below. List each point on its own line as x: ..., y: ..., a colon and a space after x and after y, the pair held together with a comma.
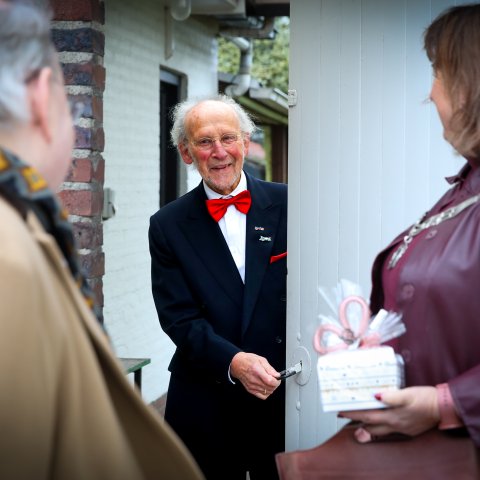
x: 233, y: 225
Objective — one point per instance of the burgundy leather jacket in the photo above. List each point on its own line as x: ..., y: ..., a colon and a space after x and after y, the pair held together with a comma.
x: 439, y: 296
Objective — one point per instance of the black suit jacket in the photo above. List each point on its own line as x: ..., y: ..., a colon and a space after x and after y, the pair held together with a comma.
x: 201, y: 300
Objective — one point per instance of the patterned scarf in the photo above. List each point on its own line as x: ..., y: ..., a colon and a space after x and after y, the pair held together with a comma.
x: 23, y: 187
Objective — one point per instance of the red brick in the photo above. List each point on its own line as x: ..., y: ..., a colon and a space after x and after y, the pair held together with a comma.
x: 81, y: 170
x: 88, y: 104
x: 99, y: 75
x: 79, y: 40
x: 86, y: 170
x: 97, y: 108
x: 82, y: 202
x: 85, y: 74
x: 96, y: 285
x: 78, y: 73
x: 98, y: 139
x: 83, y: 137
x: 88, y: 234
x: 91, y: 138
x: 99, y: 170
x: 93, y: 263
x: 78, y: 10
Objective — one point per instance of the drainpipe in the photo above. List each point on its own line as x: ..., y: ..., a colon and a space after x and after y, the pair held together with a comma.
x: 243, y: 77
x: 245, y: 45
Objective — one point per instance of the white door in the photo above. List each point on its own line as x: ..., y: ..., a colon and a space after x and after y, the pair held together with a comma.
x: 366, y: 158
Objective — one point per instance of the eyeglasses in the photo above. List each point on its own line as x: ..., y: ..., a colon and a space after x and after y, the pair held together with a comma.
x: 207, y: 143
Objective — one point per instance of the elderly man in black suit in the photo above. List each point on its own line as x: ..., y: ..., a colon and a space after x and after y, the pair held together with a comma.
x: 219, y: 285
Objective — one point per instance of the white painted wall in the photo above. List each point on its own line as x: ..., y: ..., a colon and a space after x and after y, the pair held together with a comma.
x: 134, y: 53
x: 366, y: 158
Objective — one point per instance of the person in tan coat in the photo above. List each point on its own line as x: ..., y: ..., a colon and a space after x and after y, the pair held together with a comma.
x: 66, y: 409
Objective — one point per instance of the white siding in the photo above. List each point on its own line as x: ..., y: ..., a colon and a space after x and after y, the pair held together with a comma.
x: 134, y: 53
x: 366, y: 154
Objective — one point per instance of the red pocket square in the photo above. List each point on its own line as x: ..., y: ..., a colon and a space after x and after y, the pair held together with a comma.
x: 274, y: 258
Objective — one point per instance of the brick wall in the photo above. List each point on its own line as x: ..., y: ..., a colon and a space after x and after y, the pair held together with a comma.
x: 77, y: 31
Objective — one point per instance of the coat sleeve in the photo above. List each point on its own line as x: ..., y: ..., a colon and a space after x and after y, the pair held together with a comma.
x: 183, y: 316
x: 465, y: 391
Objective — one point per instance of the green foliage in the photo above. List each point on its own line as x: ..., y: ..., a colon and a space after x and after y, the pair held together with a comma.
x: 270, y: 57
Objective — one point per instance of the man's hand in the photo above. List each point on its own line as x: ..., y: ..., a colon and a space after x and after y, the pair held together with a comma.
x: 410, y: 411
x: 256, y: 374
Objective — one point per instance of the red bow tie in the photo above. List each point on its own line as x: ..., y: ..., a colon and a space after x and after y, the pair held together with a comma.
x: 218, y: 207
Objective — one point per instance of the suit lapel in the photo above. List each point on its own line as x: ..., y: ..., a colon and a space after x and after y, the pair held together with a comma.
x: 262, y: 222
x: 207, y: 240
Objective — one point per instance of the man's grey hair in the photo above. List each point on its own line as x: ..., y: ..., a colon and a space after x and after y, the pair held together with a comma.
x: 25, y: 48
x: 178, y: 133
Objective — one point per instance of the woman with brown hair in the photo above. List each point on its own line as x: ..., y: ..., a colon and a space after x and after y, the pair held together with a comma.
x: 430, y: 274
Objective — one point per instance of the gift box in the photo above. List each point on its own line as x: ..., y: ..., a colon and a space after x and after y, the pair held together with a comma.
x: 349, y: 379
x: 353, y: 365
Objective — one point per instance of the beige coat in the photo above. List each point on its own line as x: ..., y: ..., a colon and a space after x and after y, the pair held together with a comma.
x: 67, y: 411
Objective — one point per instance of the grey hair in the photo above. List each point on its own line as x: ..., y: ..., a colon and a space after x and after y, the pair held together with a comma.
x: 25, y: 48
x: 178, y: 133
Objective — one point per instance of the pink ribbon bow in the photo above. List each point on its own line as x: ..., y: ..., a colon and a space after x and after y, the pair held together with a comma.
x: 344, y: 331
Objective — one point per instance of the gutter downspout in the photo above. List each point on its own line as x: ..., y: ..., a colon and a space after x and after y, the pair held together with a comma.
x: 245, y: 45
x: 243, y: 77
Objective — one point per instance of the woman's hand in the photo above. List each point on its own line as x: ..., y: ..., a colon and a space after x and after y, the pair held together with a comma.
x: 410, y: 411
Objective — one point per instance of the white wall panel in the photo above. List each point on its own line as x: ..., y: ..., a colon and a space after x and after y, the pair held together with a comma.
x: 366, y: 158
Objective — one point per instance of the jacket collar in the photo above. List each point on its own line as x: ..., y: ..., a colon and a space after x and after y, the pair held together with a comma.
x: 206, y: 238
x: 469, y: 175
